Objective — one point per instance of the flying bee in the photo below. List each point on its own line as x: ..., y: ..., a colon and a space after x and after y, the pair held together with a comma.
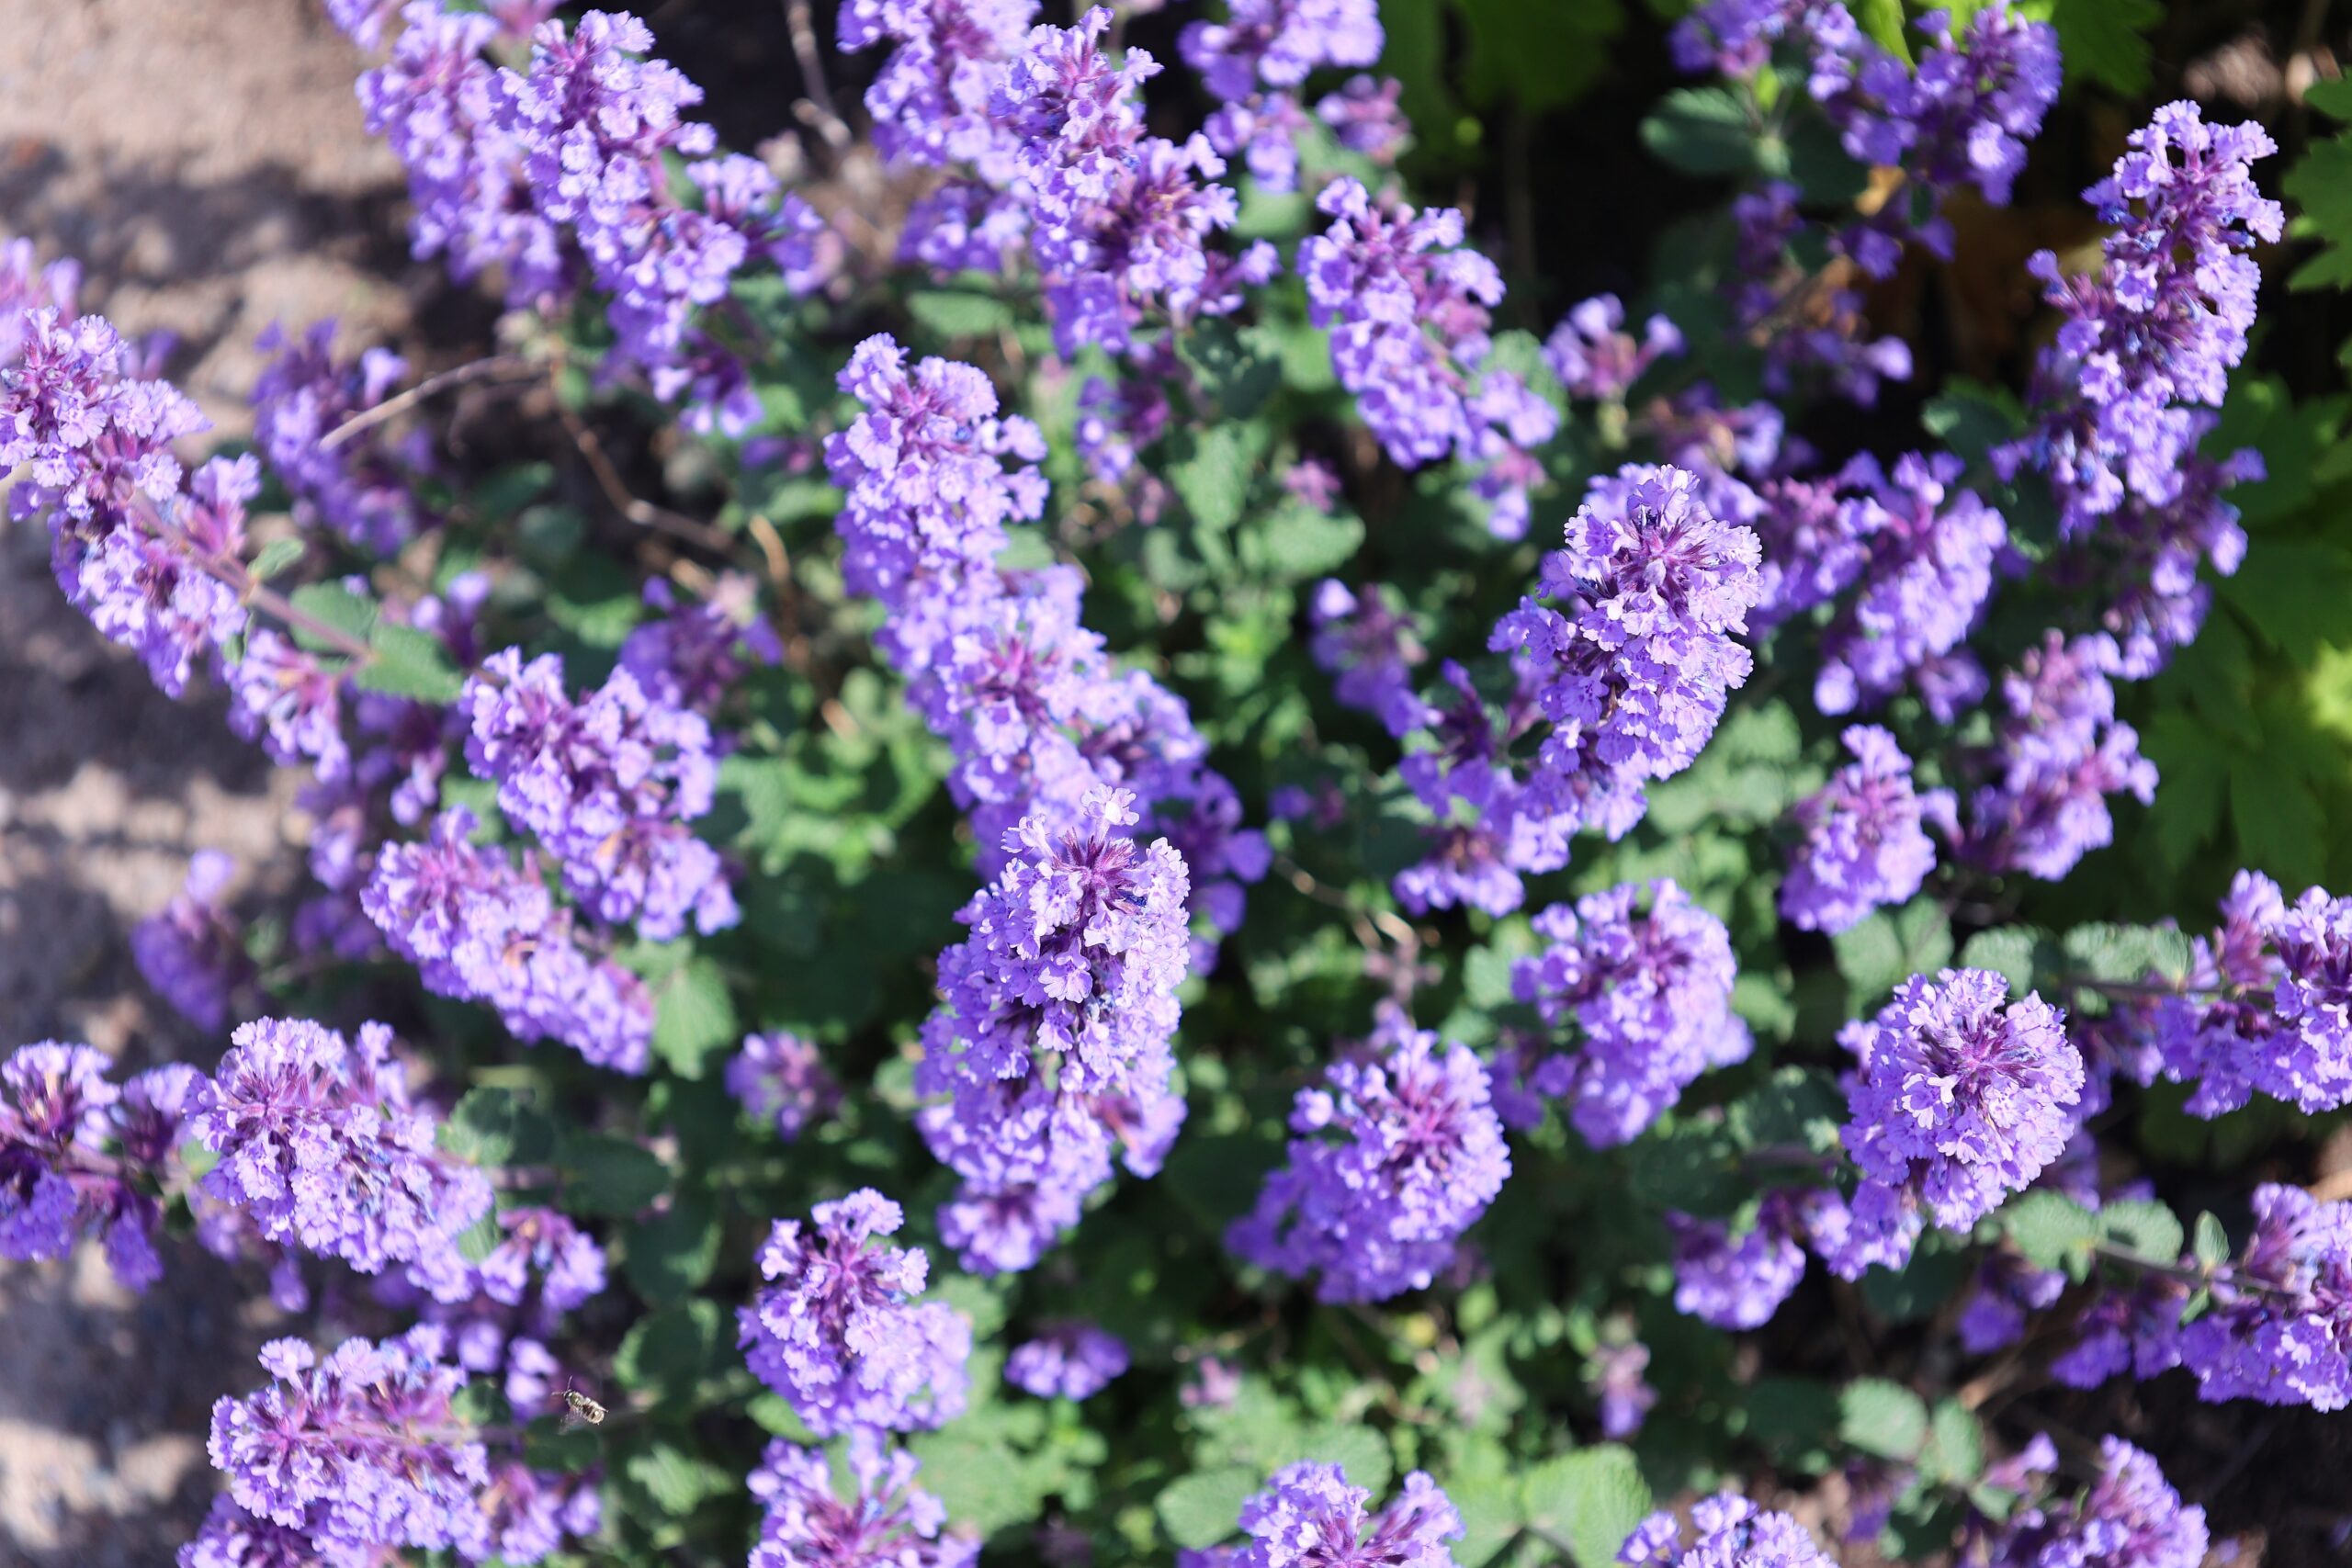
x: 579, y: 1410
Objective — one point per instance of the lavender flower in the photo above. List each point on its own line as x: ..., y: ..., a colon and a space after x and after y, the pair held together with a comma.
x: 1931, y: 552
x: 930, y: 100
x: 1071, y: 1360
x: 606, y: 784
x: 1812, y: 551
x: 2157, y: 331
x: 1738, y: 1283
x: 2223, y: 1034
x: 888, y: 1520
x: 928, y: 497
x: 292, y: 701
x: 2059, y: 753
x: 1256, y: 59
x: 1624, y: 1394
x: 1731, y: 1529
x: 1051, y: 1037
x: 361, y: 1451
x: 1957, y: 1101
x: 317, y: 1141
x: 480, y: 927
x: 2280, y: 1329
x: 693, y: 655
x: 190, y: 951
x: 54, y: 1101
x: 1309, y: 1516
x: 782, y: 1078
x: 2129, y: 1517
x: 836, y: 1331
x: 544, y: 1243
x: 2003, y: 1296
x: 230, y: 1538
x: 1649, y: 991
x: 1635, y: 668
x: 1862, y: 845
x: 1395, y: 1154
x: 360, y: 488
x: 1596, y: 358
x: 1371, y: 644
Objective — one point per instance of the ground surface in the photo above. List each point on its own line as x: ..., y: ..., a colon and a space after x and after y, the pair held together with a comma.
x: 206, y: 162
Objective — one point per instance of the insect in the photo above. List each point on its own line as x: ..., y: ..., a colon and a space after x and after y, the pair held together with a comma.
x: 579, y: 1410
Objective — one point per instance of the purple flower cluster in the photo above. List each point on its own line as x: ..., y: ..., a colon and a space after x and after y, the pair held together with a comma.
x: 886, y: 1521
x: 1862, y: 844
x: 1595, y: 358
x: 1050, y: 1046
x: 1394, y: 1153
x: 607, y: 784
x: 1071, y: 1361
x: 317, y: 1139
x: 1407, y: 305
x: 999, y: 661
x: 1957, y: 1101
x: 190, y: 951
x: 361, y: 487
x: 1731, y: 1529
x: 1255, y: 61
x: 2129, y: 1517
x: 1371, y: 644
x: 930, y: 100
x: 1812, y: 322
x: 2058, y: 753
x: 836, y: 1333
x: 79, y: 1156
x: 1649, y: 992
x: 2157, y: 331
x: 1929, y: 553
x: 1738, y: 1281
x: 349, y: 1458
x: 560, y: 176
x: 782, y: 1080
x: 1309, y: 1516
x: 480, y: 927
x: 693, y: 654
x: 1623, y: 1391
x: 1632, y: 670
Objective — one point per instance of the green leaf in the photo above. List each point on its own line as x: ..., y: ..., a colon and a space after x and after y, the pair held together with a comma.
x: 332, y: 604
x: 275, y: 558
x: 668, y: 1353
x: 2145, y: 1228
x: 670, y: 1255
x: 1539, y: 57
x: 2104, y: 41
x: 2212, y: 1242
x: 694, y: 1020
x: 1955, y: 1445
x: 2010, y: 951
x: 1887, y: 947
x: 611, y: 1175
x: 675, y: 1481
x: 409, y: 663
x: 1231, y: 365
x: 1214, y: 478
x: 2124, y: 953
x: 1971, y: 419
x: 957, y: 314
x: 1588, y: 1501
x: 1202, y: 1509
x: 479, y: 1240
x: 2050, y: 1229
x: 1883, y: 1418
x: 1295, y: 542
x: 1701, y: 130
x: 493, y: 1126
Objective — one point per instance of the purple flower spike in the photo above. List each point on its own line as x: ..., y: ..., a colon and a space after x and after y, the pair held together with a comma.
x: 1731, y: 1533
x: 1395, y: 1154
x: 1649, y: 992
x: 887, y: 1522
x: 1071, y: 1360
x: 1862, y: 846
x: 1958, y: 1099
x: 836, y: 1333
x: 192, y: 952
x: 1309, y: 1516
